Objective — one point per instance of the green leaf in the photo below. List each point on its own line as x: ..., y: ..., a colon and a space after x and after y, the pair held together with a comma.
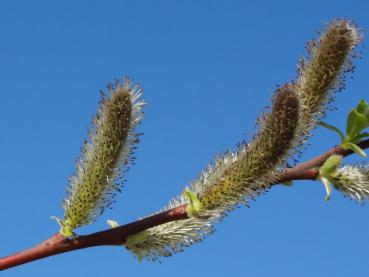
x: 328, y: 188
x: 359, y: 137
x: 363, y: 108
x: 330, y: 166
x: 356, y: 122
x: 353, y: 147
x: 332, y: 128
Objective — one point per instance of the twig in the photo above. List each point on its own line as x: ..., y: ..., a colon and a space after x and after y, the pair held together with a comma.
x: 57, y: 244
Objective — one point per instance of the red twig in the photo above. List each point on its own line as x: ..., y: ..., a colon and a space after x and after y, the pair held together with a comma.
x: 58, y: 244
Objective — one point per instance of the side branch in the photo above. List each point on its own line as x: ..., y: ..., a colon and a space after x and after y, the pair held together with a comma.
x: 117, y: 236
x: 309, y: 170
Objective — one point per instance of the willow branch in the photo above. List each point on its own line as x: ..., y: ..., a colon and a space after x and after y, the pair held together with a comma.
x: 57, y: 243
x: 309, y: 170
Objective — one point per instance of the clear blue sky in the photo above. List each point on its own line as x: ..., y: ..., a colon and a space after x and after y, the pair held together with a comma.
x: 208, y: 69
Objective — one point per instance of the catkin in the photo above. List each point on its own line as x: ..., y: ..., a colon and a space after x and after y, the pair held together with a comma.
x: 105, y: 156
x: 352, y: 182
x: 234, y: 178
x: 323, y: 73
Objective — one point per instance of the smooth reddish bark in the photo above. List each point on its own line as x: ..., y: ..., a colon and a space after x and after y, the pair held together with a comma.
x: 57, y: 244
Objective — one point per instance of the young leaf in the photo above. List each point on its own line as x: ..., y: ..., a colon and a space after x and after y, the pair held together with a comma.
x: 353, y: 147
x: 328, y: 188
x: 359, y: 137
x: 356, y: 122
x: 326, y: 170
x: 332, y: 128
x: 363, y: 108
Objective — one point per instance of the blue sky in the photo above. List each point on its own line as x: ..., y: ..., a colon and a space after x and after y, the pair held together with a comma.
x: 208, y: 68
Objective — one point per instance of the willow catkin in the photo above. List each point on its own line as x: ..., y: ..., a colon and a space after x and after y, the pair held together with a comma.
x: 105, y: 157
x: 234, y: 178
x: 252, y: 166
x: 238, y: 176
x: 323, y: 73
x: 352, y: 182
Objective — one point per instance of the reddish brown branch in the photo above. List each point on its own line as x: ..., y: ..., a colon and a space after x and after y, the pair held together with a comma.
x: 58, y: 244
x: 309, y: 169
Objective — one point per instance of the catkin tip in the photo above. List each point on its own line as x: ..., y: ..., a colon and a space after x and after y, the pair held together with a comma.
x: 323, y: 72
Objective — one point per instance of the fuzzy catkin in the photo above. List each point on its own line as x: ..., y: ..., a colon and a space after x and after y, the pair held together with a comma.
x: 253, y: 165
x: 234, y: 178
x: 352, y: 182
x: 238, y: 176
x: 323, y: 73
x: 105, y: 157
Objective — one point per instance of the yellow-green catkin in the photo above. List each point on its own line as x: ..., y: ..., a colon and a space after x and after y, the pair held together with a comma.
x: 323, y: 73
x: 352, y: 182
x: 105, y: 156
x: 234, y: 178
x: 253, y: 166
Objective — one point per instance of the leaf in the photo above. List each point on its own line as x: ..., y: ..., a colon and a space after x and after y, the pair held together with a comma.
x: 356, y: 122
x: 328, y: 188
x: 363, y: 108
x: 358, y: 138
x: 353, y: 147
x: 332, y: 128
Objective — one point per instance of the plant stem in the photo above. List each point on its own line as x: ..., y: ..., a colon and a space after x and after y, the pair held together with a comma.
x: 57, y: 244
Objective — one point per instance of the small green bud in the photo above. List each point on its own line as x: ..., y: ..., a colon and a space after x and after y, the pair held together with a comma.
x: 325, y: 172
x: 133, y: 240
x: 195, y: 206
x: 65, y: 230
x: 330, y: 165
